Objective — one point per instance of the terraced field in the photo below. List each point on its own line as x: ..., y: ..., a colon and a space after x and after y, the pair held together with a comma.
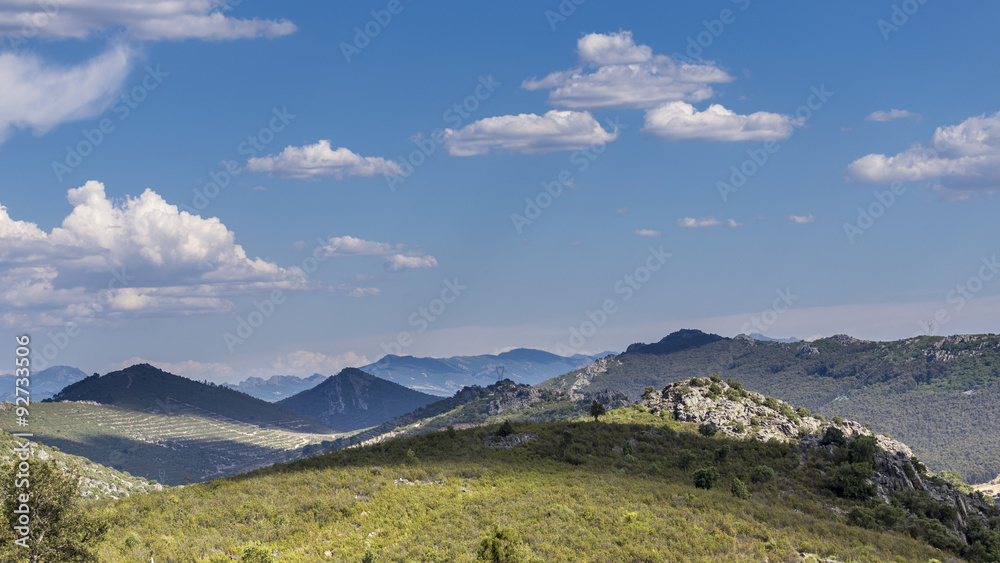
x: 177, y: 444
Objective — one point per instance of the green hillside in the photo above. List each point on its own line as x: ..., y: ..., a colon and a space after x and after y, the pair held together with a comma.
x: 622, y: 489
x: 187, y: 443
x: 143, y: 387
x: 940, y: 395
x: 99, y: 482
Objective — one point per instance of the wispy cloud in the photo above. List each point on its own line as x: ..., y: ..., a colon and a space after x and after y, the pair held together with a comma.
x: 710, y: 221
x: 649, y: 233
x: 396, y: 256
x: 801, y: 219
x: 882, y: 115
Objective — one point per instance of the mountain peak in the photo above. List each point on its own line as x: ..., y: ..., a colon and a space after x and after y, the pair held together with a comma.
x: 674, y: 342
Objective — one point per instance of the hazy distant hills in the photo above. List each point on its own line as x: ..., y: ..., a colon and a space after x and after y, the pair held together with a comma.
x: 145, y: 388
x: 940, y: 395
x: 276, y: 387
x: 354, y: 399
x: 445, y: 376
x: 44, y: 384
x: 759, y: 336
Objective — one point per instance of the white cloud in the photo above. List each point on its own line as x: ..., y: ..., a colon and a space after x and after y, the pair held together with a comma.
x: 882, y: 115
x: 676, y: 121
x: 692, y: 223
x: 397, y: 256
x: 801, y: 219
x: 47, y: 95
x: 141, y: 21
x: 627, y: 75
x: 650, y: 233
x: 319, y: 159
x: 528, y: 133
x: 601, y: 49
x: 963, y: 157
x: 135, y: 255
x: 304, y: 363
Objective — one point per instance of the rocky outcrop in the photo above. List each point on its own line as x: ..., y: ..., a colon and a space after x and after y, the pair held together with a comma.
x: 508, y: 395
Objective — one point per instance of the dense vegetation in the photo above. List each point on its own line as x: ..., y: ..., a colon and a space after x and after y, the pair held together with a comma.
x: 143, y: 387
x: 633, y: 487
x: 939, y: 395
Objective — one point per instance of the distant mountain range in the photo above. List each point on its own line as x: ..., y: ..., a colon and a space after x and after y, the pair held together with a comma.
x: 445, y: 376
x: 940, y: 395
x: 143, y: 387
x: 353, y: 399
x: 276, y: 387
x: 759, y: 336
x: 44, y: 384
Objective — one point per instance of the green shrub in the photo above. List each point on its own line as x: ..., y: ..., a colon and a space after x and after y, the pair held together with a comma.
x: 255, y: 552
x: 837, y: 420
x: 628, y: 448
x: 648, y: 393
x: 715, y: 378
x: 862, y: 449
x: 506, y: 429
x: 850, y: 480
x: 503, y: 545
x: 714, y: 390
x: 739, y: 489
x: 762, y: 474
x: 738, y: 426
x: 698, y: 382
x: 707, y: 430
x: 369, y: 556
x: 834, y: 436
x: 411, y: 457
x: 772, y: 403
x: 686, y: 458
x: 722, y: 453
x: 803, y: 412
x: 705, y: 477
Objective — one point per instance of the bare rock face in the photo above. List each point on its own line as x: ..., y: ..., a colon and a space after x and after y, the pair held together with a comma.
x: 510, y: 396
x: 745, y: 414
x: 509, y: 441
x: 807, y: 350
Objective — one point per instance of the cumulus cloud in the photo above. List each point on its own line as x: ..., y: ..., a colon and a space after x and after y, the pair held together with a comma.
x: 396, y: 256
x: 801, y: 219
x: 692, y: 223
x: 302, y: 362
x: 677, y: 121
x: 649, y: 233
x: 963, y: 158
x: 142, y: 21
x: 624, y: 74
x: 528, y: 133
x: 882, y: 115
x: 134, y: 255
x: 319, y: 159
x: 47, y: 95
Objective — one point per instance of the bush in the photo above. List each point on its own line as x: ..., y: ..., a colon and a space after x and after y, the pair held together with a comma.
x: 771, y: 403
x: 411, y: 457
x: 698, y: 382
x: 705, y: 477
x: 648, y: 393
x: 862, y: 449
x: 803, y: 412
x: 850, y: 480
x: 707, y: 430
x: 739, y: 489
x: 715, y: 378
x: 369, y: 556
x: 255, y: 552
x: 762, y: 474
x: 835, y: 436
x: 506, y: 429
x: 838, y: 421
x: 722, y: 453
x: 686, y: 458
x: 502, y: 545
x: 597, y: 410
x: 738, y: 426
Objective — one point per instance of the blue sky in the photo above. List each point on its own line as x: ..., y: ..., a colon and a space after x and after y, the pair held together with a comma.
x: 376, y: 187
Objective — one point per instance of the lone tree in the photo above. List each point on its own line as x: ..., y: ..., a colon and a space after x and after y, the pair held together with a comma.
x: 597, y: 409
x: 60, y: 530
